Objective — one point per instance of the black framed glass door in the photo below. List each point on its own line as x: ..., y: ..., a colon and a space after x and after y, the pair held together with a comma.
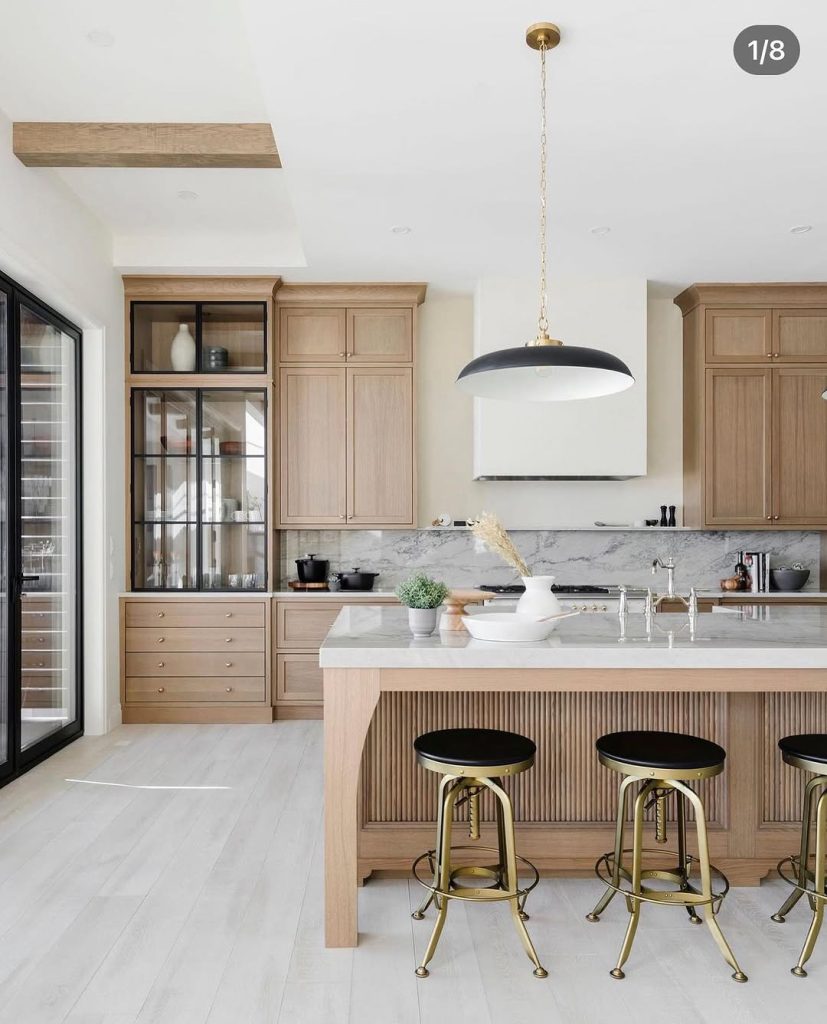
x: 41, y: 657
x: 6, y: 764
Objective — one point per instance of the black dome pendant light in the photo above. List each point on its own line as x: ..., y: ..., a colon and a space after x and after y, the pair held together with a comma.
x: 544, y: 370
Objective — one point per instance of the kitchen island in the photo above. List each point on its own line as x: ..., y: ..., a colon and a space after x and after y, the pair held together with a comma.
x: 742, y: 679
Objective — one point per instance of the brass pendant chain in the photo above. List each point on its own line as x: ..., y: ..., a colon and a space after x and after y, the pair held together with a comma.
x: 542, y: 322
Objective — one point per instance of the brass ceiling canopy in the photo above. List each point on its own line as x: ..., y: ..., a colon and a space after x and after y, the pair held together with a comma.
x: 544, y: 370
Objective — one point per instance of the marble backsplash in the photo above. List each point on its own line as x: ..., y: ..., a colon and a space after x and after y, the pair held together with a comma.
x: 702, y: 558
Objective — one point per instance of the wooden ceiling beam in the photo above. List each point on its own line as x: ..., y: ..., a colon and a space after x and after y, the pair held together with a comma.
x: 107, y: 144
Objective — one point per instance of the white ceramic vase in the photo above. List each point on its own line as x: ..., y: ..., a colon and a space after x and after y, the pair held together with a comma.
x: 182, y: 350
x: 422, y: 621
x: 538, y: 600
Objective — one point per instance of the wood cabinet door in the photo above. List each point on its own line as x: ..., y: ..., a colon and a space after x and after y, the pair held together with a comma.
x: 312, y: 335
x: 738, y: 446
x: 738, y: 335
x: 799, y: 446
x: 380, y: 455
x: 379, y: 335
x: 312, y: 445
x: 299, y: 678
x: 799, y: 335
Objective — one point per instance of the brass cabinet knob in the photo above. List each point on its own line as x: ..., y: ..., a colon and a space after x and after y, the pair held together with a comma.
x: 775, y: 355
x: 343, y: 355
x: 161, y: 664
x: 160, y: 689
x: 769, y: 355
x: 229, y: 689
x: 228, y: 615
x: 229, y: 664
x: 228, y: 640
x: 769, y: 517
x: 41, y: 639
x: 41, y: 664
x: 160, y: 639
x: 776, y: 517
x: 160, y: 615
x: 343, y: 516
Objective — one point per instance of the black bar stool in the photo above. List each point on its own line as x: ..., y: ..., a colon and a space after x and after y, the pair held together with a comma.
x: 470, y: 762
x: 808, y: 752
x: 661, y: 763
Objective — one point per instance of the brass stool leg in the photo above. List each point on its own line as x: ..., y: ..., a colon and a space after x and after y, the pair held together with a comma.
x: 637, y: 858
x: 610, y: 893
x: 503, y: 861
x: 820, y: 872
x: 445, y: 782
x: 804, y: 853
x: 444, y: 873
x: 511, y: 872
x: 683, y: 860
x: 706, y: 879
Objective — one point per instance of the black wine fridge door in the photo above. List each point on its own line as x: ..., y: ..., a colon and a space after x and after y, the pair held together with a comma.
x: 6, y: 760
x: 47, y: 461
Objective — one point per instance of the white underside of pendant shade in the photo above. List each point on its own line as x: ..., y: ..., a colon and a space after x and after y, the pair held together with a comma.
x: 544, y: 384
x: 592, y: 437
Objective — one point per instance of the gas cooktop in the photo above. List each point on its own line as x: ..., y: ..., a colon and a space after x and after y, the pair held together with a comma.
x: 557, y: 588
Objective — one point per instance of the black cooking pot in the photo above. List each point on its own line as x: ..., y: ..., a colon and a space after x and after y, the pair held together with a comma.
x: 357, y: 580
x: 312, y: 569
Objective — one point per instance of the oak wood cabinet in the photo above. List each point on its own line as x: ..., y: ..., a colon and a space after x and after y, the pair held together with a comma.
x: 755, y: 424
x: 345, y: 335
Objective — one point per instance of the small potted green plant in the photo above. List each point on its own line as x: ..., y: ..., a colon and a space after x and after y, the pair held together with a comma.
x: 422, y: 596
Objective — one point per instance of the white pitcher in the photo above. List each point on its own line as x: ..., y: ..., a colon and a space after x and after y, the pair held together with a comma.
x: 538, y: 600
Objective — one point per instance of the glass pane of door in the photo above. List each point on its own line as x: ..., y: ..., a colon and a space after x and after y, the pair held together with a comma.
x: 48, y: 528
x: 4, y: 534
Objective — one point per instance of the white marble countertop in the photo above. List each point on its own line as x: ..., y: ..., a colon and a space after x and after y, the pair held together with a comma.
x: 743, y: 595
x: 223, y: 595
x: 377, y: 636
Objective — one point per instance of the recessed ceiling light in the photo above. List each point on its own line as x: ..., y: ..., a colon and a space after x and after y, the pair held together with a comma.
x: 98, y: 37
x: 801, y: 229
x: 600, y: 231
x: 400, y: 229
x: 187, y: 194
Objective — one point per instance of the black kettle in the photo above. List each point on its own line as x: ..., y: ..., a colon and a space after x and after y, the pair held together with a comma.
x: 312, y: 569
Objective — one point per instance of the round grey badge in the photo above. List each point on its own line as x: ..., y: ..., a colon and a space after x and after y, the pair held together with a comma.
x: 766, y: 50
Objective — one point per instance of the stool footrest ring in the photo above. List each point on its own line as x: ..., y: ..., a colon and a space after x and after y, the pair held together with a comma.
x: 794, y: 866
x: 686, y: 896
x: 482, y: 893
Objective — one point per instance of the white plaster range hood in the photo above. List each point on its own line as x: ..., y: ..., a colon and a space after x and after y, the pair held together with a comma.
x: 593, y: 439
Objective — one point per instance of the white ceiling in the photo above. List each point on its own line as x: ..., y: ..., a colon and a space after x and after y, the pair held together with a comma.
x: 425, y: 114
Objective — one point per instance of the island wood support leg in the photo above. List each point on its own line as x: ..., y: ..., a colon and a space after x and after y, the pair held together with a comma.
x: 350, y: 698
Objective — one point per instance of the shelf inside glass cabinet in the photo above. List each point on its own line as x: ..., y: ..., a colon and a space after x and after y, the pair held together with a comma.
x: 199, y: 337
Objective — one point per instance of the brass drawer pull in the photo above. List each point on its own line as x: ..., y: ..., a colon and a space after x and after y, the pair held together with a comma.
x: 161, y: 664
x: 160, y: 639
x: 160, y: 689
x: 41, y: 664
x: 160, y: 615
x: 228, y: 615
x: 228, y: 640
x: 41, y: 639
x: 229, y: 664
x: 229, y: 689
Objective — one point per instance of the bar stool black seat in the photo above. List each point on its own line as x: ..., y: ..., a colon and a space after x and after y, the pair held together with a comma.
x: 660, y: 750
x: 475, y: 748
x: 471, y: 762
x: 661, y: 764
x: 808, y: 752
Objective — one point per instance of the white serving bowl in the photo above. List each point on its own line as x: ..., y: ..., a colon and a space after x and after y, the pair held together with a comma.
x: 509, y: 627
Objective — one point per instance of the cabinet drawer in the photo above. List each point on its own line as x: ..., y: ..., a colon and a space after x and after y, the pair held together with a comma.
x: 176, y: 688
x: 40, y: 660
x: 195, y: 613
x: 169, y: 665
x: 298, y: 677
x: 196, y: 639
x: 302, y: 625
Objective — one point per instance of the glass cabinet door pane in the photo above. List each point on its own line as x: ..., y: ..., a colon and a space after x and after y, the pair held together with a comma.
x: 165, y: 556
x: 233, y: 422
x: 163, y: 337
x: 233, y: 490
x: 163, y: 422
x: 233, y: 337
x: 233, y: 556
x: 164, y: 489
x: 48, y: 527
x: 4, y: 534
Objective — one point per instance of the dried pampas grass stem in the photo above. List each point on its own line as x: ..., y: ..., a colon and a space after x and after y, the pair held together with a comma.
x: 492, y: 533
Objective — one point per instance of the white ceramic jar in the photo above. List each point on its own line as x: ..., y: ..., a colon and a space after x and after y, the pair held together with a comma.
x: 182, y: 350
x: 538, y: 600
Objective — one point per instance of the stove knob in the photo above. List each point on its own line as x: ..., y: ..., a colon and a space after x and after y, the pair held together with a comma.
x: 604, y: 608
x: 594, y: 607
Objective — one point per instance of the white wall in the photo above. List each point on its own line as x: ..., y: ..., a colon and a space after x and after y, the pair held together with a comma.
x: 590, y: 438
x: 445, y: 433
x: 52, y: 245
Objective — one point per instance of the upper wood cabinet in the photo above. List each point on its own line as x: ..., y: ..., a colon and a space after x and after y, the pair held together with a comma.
x: 755, y: 436
x: 312, y: 335
x: 738, y: 336
x: 379, y: 335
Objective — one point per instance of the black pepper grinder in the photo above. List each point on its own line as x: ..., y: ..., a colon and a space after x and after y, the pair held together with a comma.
x: 672, y: 516
x: 663, y: 521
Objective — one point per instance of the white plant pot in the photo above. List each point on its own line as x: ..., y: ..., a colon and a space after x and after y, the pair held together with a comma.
x: 182, y: 350
x: 422, y: 621
x: 538, y: 600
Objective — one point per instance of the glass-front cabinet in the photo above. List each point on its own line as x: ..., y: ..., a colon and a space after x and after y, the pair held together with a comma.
x: 199, y: 489
x: 199, y: 337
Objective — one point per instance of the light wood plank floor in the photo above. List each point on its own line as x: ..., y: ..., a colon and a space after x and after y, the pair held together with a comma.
x: 172, y: 875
